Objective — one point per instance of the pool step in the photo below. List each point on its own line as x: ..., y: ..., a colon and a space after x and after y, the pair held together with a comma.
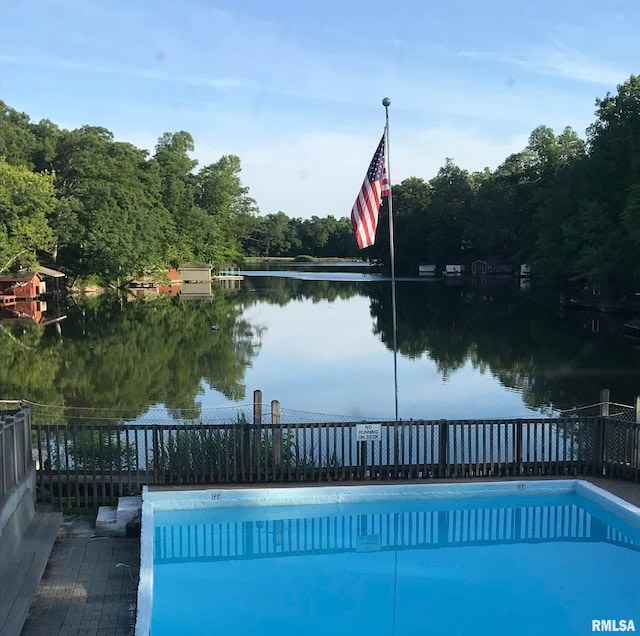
x: 122, y: 520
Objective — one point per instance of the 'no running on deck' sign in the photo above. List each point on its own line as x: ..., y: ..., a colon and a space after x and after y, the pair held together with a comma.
x: 368, y: 432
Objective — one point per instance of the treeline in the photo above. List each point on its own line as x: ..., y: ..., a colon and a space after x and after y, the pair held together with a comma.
x: 280, y: 235
x: 95, y: 207
x: 567, y: 207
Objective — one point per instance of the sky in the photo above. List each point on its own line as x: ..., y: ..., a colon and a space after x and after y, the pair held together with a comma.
x: 294, y: 87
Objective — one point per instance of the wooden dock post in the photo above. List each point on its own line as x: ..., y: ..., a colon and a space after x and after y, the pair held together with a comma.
x: 604, y: 402
x: 257, y: 407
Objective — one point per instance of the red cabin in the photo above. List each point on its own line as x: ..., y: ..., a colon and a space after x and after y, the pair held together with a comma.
x: 21, y: 286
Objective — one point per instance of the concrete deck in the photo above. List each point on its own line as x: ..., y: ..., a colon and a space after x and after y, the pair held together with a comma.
x: 84, y: 593
x: 627, y: 490
x: 22, y: 566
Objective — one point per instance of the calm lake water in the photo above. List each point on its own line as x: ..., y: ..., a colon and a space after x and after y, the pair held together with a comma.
x: 320, y: 340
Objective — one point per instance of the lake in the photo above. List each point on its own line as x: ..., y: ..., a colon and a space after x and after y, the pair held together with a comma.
x: 320, y: 340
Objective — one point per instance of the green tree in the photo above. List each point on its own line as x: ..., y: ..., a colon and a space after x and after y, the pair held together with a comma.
x: 449, y: 206
x: 411, y: 224
x: 46, y: 135
x: 17, y: 141
x: 26, y: 202
x: 197, y: 235
x: 220, y: 193
x: 613, y: 171
x: 172, y: 155
x: 112, y: 222
x: 274, y: 238
x: 631, y: 222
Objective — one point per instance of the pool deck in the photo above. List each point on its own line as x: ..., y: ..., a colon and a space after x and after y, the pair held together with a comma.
x: 83, y: 592
x: 627, y: 490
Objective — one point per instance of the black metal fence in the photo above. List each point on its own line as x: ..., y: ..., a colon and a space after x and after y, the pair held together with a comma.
x: 15, y: 448
x: 81, y: 466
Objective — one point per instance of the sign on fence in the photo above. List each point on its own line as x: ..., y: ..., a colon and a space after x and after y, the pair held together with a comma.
x: 368, y: 432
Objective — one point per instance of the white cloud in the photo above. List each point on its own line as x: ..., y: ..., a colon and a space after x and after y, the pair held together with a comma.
x: 557, y: 61
x: 221, y: 83
x: 321, y: 172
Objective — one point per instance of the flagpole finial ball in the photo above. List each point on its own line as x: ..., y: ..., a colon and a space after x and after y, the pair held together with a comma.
x: 386, y: 102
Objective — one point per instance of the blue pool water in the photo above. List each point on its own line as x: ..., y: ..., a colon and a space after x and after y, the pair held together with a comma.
x: 493, y: 565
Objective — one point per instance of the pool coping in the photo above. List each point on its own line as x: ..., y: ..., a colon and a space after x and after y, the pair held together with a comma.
x: 309, y: 495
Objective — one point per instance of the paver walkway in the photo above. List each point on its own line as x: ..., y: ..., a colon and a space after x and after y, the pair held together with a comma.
x: 84, y: 591
x: 22, y: 564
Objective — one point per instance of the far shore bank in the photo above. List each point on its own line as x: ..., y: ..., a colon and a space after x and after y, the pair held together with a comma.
x: 301, y: 259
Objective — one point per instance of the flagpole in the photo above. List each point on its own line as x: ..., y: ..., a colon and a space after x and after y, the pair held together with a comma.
x: 386, y: 102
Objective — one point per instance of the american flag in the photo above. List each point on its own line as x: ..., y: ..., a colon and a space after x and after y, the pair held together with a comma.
x: 364, y: 215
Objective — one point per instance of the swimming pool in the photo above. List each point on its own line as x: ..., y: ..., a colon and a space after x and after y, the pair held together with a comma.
x: 539, y: 557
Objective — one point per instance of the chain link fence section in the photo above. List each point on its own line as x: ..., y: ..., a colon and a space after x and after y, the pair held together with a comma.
x: 258, y: 413
x: 293, y: 416
x: 49, y: 414
x: 43, y: 414
x: 613, y: 410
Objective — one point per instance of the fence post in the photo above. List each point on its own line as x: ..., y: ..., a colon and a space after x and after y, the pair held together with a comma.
x: 599, y: 449
x: 257, y: 432
x: 362, y: 460
x: 28, y: 452
x: 3, y: 458
x: 443, y: 447
x: 637, y: 436
x: 14, y: 449
x: 277, y: 434
x: 517, y: 460
x: 604, y: 402
x: 156, y: 455
x: 604, y: 441
x: 396, y: 450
